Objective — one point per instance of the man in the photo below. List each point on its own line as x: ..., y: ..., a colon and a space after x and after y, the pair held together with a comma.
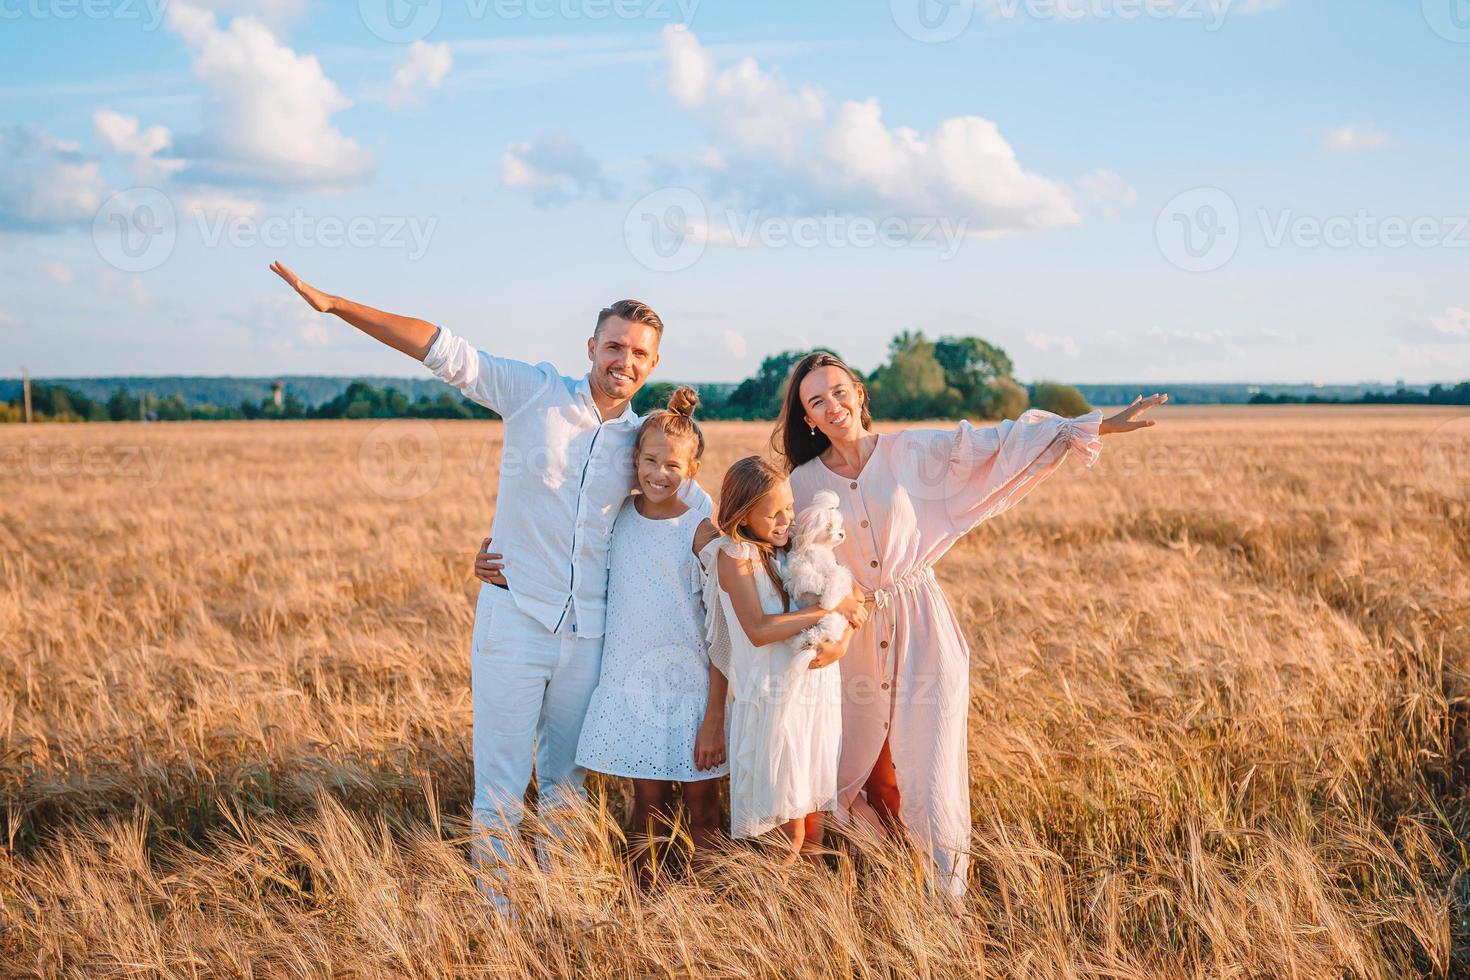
x: 566, y: 466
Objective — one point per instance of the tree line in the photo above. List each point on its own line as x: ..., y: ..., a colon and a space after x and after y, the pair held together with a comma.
x: 947, y: 377
x: 1437, y: 394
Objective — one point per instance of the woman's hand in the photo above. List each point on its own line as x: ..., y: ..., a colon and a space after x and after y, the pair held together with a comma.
x: 489, y: 566
x: 709, y: 742
x: 1128, y: 420
x: 829, y: 652
x: 317, y: 299
x: 851, y: 605
x: 857, y: 619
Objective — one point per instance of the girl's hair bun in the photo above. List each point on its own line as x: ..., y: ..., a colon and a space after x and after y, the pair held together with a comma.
x: 684, y: 401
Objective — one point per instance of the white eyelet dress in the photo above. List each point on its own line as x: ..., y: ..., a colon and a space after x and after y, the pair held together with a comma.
x: 651, y: 696
x: 783, y: 722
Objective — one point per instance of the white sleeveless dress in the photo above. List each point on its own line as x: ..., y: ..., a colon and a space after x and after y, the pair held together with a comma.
x: 783, y: 722
x: 651, y: 695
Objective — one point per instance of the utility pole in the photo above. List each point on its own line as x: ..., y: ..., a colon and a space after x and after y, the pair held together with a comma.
x: 26, y: 384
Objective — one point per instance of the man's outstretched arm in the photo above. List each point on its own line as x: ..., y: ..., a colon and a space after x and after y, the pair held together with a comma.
x: 405, y: 333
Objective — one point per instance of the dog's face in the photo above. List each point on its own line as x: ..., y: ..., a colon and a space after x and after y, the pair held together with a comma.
x: 821, y: 527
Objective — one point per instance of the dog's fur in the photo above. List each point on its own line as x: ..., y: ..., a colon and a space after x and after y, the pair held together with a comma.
x: 813, y: 575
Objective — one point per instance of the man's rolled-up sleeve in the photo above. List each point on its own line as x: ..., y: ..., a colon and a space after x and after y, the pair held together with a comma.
x: 501, y: 384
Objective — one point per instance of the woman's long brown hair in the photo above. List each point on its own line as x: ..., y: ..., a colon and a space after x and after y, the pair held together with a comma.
x: 793, y: 439
x: 746, y: 482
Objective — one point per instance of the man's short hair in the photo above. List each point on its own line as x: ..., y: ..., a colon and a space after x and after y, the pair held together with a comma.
x: 634, y: 312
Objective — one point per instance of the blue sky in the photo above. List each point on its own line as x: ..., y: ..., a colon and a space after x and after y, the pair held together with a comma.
x: 1113, y: 190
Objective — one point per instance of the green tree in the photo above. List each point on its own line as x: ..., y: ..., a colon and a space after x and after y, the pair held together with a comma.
x: 912, y: 384
x: 1007, y: 399
x: 759, y: 397
x: 653, y: 396
x: 122, y: 406
x: 1059, y: 399
x: 970, y: 365
x: 171, y: 409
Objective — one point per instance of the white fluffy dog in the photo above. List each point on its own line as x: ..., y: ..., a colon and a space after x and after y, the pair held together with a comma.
x: 813, y: 575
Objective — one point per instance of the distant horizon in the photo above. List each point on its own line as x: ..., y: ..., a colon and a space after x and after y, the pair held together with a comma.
x: 697, y: 381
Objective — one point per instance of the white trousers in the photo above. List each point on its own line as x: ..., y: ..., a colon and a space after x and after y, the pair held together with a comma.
x: 530, y: 689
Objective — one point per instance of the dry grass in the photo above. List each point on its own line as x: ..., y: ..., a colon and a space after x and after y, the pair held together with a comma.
x: 1217, y: 722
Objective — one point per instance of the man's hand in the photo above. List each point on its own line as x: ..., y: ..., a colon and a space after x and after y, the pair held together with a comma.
x: 314, y: 297
x: 489, y: 566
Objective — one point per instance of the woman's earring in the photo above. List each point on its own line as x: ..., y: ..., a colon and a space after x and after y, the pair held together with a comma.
x: 814, y: 430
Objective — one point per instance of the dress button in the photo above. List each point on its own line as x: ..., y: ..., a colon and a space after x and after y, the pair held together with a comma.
x: 874, y: 563
x: 853, y: 484
x: 885, y: 726
x: 865, y: 524
x: 885, y: 685
x: 884, y: 645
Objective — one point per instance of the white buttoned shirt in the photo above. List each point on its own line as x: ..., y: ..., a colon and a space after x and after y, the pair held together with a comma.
x: 564, y: 473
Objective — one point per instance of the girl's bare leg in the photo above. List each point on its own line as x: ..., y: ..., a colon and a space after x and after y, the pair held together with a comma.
x: 794, y: 831
x: 882, y: 791
x: 652, y: 802
x: 702, y: 798
x: 811, y: 844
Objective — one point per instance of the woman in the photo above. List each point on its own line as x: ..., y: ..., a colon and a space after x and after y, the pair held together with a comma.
x: 906, y: 499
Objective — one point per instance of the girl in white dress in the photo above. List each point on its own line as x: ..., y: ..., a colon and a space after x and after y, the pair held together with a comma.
x: 657, y: 716
x: 784, y: 721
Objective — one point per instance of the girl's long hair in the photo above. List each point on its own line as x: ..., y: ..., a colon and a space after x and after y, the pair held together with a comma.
x: 675, y: 422
x: 793, y: 440
x: 746, y: 482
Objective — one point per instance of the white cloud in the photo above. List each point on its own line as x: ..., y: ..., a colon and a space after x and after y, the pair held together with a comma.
x: 268, y: 118
x: 1107, y: 192
x: 1451, y: 327
x: 45, y: 183
x: 554, y: 169
x: 822, y: 154
x: 219, y: 206
x: 124, y: 135
x: 1348, y: 139
x: 58, y: 272
x: 425, y: 67
x: 1061, y: 342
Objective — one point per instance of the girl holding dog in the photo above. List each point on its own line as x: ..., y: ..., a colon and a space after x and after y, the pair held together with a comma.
x: 785, y: 712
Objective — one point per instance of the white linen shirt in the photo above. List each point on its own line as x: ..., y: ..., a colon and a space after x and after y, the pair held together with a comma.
x: 564, y: 473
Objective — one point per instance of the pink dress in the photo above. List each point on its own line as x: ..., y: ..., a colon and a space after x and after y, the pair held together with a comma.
x: 907, y: 671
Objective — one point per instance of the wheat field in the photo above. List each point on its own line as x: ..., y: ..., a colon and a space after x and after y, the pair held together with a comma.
x: 1217, y: 729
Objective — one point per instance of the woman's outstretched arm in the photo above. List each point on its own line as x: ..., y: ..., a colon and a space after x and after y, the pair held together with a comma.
x: 412, y: 336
